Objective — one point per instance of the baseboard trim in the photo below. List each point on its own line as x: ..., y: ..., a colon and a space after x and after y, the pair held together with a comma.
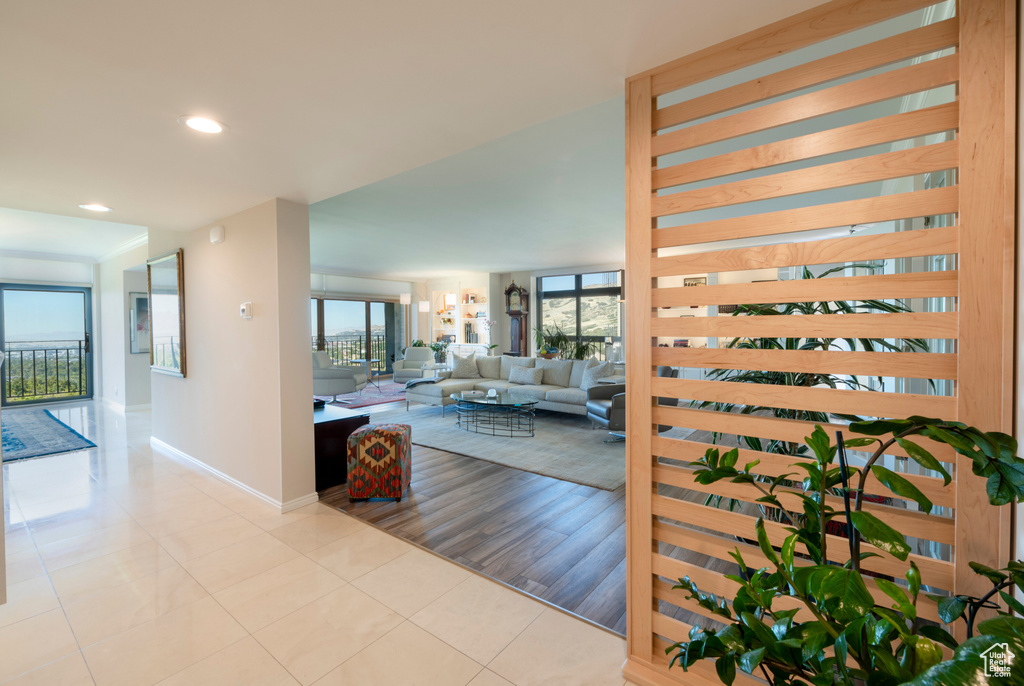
x: 171, y: 451
x: 116, y: 407
x: 138, y: 408
x: 296, y: 503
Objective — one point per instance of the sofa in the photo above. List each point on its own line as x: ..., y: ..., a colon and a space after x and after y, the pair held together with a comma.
x: 559, y: 389
x: 334, y: 380
x: 411, y: 367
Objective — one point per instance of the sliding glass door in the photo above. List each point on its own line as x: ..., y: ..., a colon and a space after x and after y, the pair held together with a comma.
x: 355, y: 329
x: 45, y: 332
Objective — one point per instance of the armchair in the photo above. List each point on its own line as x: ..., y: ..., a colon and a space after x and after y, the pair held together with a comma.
x: 606, y: 406
x: 334, y: 380
x: 412, y: 366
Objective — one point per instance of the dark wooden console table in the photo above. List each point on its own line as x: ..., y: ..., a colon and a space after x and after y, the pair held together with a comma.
x: 331, y: 428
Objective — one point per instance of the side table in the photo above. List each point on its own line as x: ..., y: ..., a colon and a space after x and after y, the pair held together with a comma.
x: 331, y: 429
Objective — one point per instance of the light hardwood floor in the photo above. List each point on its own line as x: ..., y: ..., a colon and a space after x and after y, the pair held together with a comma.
x: 558, y: 541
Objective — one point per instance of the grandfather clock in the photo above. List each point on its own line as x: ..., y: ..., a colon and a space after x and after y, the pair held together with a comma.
x: 517, y: 305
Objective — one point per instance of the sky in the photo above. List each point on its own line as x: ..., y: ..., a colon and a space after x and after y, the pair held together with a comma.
x: 43, y: 315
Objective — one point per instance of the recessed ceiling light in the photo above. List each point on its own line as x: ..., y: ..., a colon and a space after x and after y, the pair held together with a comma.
x: 202, y: 124
x: 96, y: 208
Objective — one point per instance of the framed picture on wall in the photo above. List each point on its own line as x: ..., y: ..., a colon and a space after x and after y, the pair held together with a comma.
x: 138, y: 322
x: 695, y: 281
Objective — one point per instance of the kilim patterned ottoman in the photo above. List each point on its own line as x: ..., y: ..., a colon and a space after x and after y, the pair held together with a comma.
x: 379, y: 464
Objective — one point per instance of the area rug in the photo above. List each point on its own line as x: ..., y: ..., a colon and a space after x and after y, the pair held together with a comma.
x: 564, y: 447
x: 389, y: 392
x: 34, y: 433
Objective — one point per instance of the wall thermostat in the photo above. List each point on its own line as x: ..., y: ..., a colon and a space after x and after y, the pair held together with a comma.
x: 246, y: 310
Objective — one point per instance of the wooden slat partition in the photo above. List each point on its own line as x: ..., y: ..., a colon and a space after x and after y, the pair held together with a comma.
x: 747, y: 203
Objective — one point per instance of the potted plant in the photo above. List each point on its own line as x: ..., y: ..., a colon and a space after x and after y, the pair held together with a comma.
x: 843, y: 636
x: 553, y: 342
x: 440, y: 349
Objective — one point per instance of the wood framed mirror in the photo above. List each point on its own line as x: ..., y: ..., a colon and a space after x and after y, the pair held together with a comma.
x: 166, y: 278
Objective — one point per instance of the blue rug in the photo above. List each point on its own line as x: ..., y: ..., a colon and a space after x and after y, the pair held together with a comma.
x: 33, y: 433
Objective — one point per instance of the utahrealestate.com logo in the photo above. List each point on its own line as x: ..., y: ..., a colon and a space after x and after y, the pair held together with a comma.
x: 998, y: 659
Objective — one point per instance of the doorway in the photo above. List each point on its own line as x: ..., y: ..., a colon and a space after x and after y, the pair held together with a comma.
x: 46, y: 333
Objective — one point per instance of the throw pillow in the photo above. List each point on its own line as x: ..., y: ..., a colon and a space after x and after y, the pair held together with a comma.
x: 529, y: 376
x: 578, y: 367
x: 556, y: 372
x: 489, y: 367
x: 507, y: 362
x: 591, y: 376
x: 465, y: 367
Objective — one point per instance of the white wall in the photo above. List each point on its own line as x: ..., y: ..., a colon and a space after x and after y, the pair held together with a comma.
x: 136, y: 366
x: 52, y: 272
x: 245, y: 408
x: 110, y: 320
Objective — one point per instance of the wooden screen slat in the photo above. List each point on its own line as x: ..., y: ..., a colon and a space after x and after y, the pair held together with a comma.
x: 863, y: 134
x: 934, y: 572
x: 899, y: 365
x: 986, y: 389
x: 893, y: 84
x: 640, y: 599
x: 771, y: 464
x: 807, y: 28
x: 936, y: 325
x: 941, y: 241
x: 935, y: 201
x: 769, y: 427
x: 981, y: 239
x: 911, y: 285
x: 889, y: 165
x: 912, y: 523
x: 835, y: 401
x: 862, y: 58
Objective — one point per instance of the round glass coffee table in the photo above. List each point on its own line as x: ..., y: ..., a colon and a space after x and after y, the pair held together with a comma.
x: 496, y: 415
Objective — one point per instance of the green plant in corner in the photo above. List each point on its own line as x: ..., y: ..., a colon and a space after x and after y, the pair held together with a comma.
x: 841, y: 635
x: 552, y: 339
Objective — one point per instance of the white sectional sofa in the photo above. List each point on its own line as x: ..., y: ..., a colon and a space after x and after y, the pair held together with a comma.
x: 559, y: 391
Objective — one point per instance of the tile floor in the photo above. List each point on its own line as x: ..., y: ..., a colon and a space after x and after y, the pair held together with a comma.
x: 127, y: 567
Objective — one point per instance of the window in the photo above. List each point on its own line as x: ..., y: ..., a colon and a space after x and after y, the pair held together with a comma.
x: 585, y: 306
x: 356, y: 329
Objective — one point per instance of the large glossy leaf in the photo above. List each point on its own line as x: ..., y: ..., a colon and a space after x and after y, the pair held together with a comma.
x: 901, y: 487
x: 924, y: 458
x: 880, y: 427
x: 751, y: 659
x: 969, y: 666
x: 881, y: 535
x: 844, y: 594
x: 950, y: 609
x: 726, y: 668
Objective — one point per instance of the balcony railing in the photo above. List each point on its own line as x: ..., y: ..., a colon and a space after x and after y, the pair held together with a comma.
x: 344, y: 349
x: 45, y: 370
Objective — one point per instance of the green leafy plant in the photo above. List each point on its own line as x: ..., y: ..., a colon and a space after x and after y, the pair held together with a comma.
x: 440, y: 349
x: 552, y: 339
x: 843, y: 636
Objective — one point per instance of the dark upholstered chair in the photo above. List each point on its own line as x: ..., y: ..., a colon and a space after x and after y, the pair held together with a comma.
x: 606, y: 404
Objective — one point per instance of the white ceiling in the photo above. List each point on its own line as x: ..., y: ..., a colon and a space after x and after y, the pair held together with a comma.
x: 30, y: 234
x: 321, y: 96
x: 546, y: 197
